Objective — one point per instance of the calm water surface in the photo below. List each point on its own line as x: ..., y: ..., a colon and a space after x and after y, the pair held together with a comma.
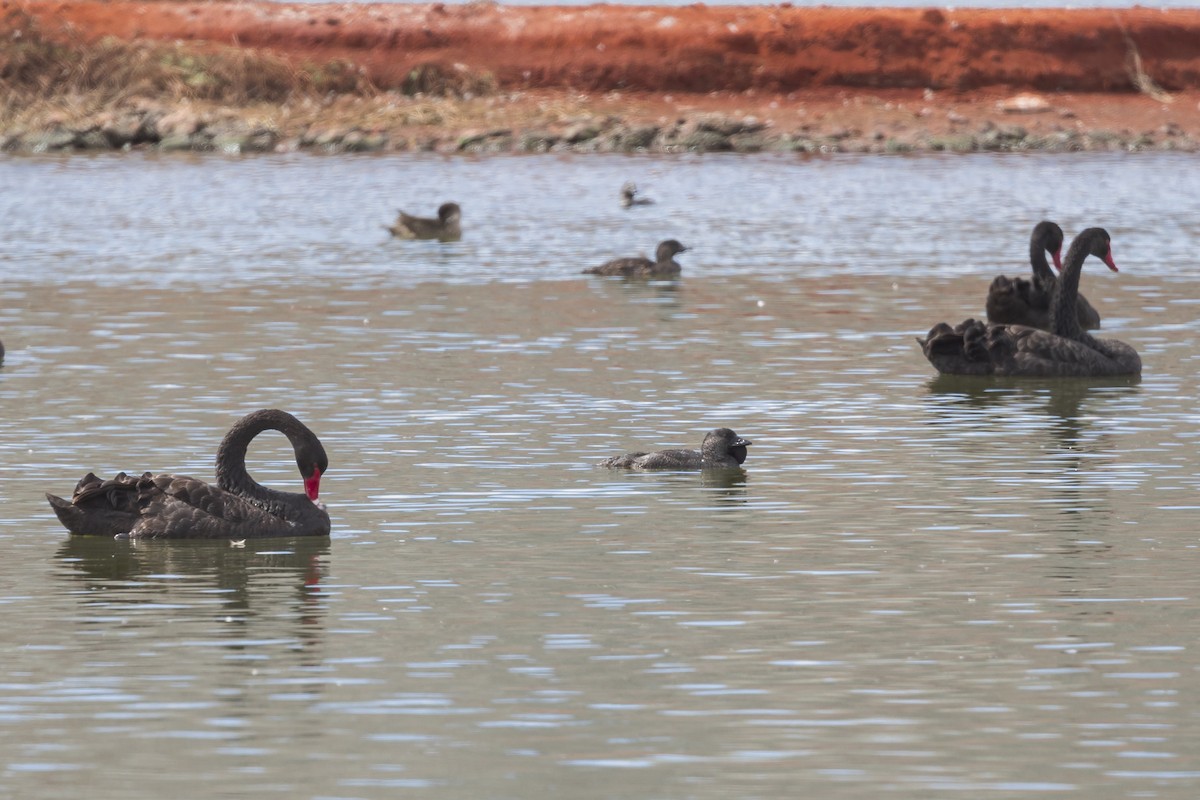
x: 920, y: 588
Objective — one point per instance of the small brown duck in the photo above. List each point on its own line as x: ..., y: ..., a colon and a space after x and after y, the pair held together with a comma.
x: 721, y: 449
x: 629, y: 196
x: 664, y: 265
x: 446, y: 228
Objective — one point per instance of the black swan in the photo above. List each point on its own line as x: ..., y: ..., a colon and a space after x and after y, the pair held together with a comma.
x: 721, y: 449
x: 629, y: 196
x: 447, y: 227
x: 167, y: 506
x: 1019, y: 301
x: 663, y: 266
x: 974, y: 348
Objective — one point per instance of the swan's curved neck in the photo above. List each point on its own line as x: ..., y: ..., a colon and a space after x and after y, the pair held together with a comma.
x: 231, y: 460
x: 1064, y: 316
x: 1037, y: 259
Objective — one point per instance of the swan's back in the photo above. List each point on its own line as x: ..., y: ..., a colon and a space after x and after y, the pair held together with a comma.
x: 975, y: 348
x: 1019, y: 301
x: 169, y: 506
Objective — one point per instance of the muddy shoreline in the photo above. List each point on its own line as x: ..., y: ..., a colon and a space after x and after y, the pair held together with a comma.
x: 266, y: 77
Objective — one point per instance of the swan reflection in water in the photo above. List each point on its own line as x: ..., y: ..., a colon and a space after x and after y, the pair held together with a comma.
x: 276, y: 581
x: 1062, y: 473
x: 1062, y: 400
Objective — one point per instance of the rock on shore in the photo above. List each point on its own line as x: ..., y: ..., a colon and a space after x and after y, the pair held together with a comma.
x: 464, y: 127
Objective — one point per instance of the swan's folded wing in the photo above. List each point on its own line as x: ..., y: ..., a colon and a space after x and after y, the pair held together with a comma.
x: 180, y: 507
x: 1017, y: 301
x: 205, y: 498
x: 1044, y: 354
x: 119, y: 493
x: 1124, y: 360
x: 972, y: 347
x: 1020, y: 290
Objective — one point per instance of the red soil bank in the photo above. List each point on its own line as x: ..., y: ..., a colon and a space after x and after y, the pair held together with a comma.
x: 696, y: 49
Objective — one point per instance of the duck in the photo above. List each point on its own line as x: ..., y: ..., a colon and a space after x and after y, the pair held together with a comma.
x: 977, y: 348
x: 629, y: 196
x: 1024, y: 301
x: 170, y: 506
x: 446, y: 228
x: 722, y: 448
x: 664, y: 265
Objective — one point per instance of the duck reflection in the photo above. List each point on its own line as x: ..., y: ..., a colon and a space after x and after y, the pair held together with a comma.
x: 723, y: 488
x: 726, y: 487
x: 658, y: 291
x: 256, y: 580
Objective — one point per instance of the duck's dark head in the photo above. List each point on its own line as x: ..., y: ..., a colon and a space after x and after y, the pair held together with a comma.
x: 721, y: 442
x: 449, y: 211
x: 668, y: 249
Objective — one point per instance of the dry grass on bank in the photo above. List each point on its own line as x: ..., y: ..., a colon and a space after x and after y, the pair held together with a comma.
x: 37, y: 69
x: 34, y: 66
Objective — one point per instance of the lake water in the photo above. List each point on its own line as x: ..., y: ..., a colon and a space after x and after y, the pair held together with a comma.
x: 920, y: 588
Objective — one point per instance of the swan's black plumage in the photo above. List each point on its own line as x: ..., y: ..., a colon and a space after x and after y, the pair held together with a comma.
x: 976, y: 348
x: 1025, y: 301
x: 167, y: 506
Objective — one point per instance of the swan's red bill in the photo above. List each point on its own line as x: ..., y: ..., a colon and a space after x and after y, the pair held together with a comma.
x: 1058, y: 258
x: 312, y: 484
x: 1108, y: 259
